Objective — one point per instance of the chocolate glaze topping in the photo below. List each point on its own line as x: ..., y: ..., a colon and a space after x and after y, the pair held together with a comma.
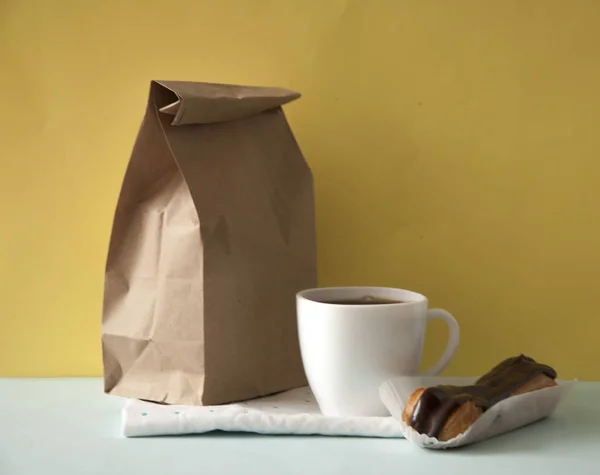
x: 437, y: 403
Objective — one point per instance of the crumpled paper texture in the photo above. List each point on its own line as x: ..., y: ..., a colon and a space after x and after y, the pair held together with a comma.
x: 290, y: 412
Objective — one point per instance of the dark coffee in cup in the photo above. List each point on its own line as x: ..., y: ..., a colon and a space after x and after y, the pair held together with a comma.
x: 373, y: 334
x: 366, y: 300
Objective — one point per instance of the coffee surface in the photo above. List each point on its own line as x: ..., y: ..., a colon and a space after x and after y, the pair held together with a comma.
x: 366, y: 300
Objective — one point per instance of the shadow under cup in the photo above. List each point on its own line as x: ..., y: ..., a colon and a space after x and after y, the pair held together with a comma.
x: 353, y: 339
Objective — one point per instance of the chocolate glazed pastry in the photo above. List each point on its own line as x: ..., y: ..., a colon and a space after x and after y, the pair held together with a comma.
x: 446, y: 411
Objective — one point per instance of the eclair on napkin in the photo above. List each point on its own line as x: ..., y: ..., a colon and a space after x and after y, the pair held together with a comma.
x: 446, y: 411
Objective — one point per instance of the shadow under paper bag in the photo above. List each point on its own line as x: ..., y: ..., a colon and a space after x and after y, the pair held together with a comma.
x: 507, y: 415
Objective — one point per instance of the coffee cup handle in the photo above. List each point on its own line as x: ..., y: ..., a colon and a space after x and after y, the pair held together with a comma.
x: 453, y: 340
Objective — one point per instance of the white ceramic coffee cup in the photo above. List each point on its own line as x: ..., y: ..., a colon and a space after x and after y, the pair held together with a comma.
x: 349, y: 350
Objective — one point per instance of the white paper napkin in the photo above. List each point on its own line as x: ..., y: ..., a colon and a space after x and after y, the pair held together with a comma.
x: 291, y: 412
x: 507, y: 415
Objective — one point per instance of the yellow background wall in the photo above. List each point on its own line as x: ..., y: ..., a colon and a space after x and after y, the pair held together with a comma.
x: 455, y: 148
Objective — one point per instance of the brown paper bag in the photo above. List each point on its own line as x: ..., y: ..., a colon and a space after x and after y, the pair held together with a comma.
x: 213, y: 235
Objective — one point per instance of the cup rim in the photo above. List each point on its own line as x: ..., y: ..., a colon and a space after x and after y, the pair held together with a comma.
x: 305, y: 295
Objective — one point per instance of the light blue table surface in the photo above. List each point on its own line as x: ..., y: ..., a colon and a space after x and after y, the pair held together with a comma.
x: 68, y: 426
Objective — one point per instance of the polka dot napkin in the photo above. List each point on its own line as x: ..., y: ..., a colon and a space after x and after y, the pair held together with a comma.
x: 291, y: 412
